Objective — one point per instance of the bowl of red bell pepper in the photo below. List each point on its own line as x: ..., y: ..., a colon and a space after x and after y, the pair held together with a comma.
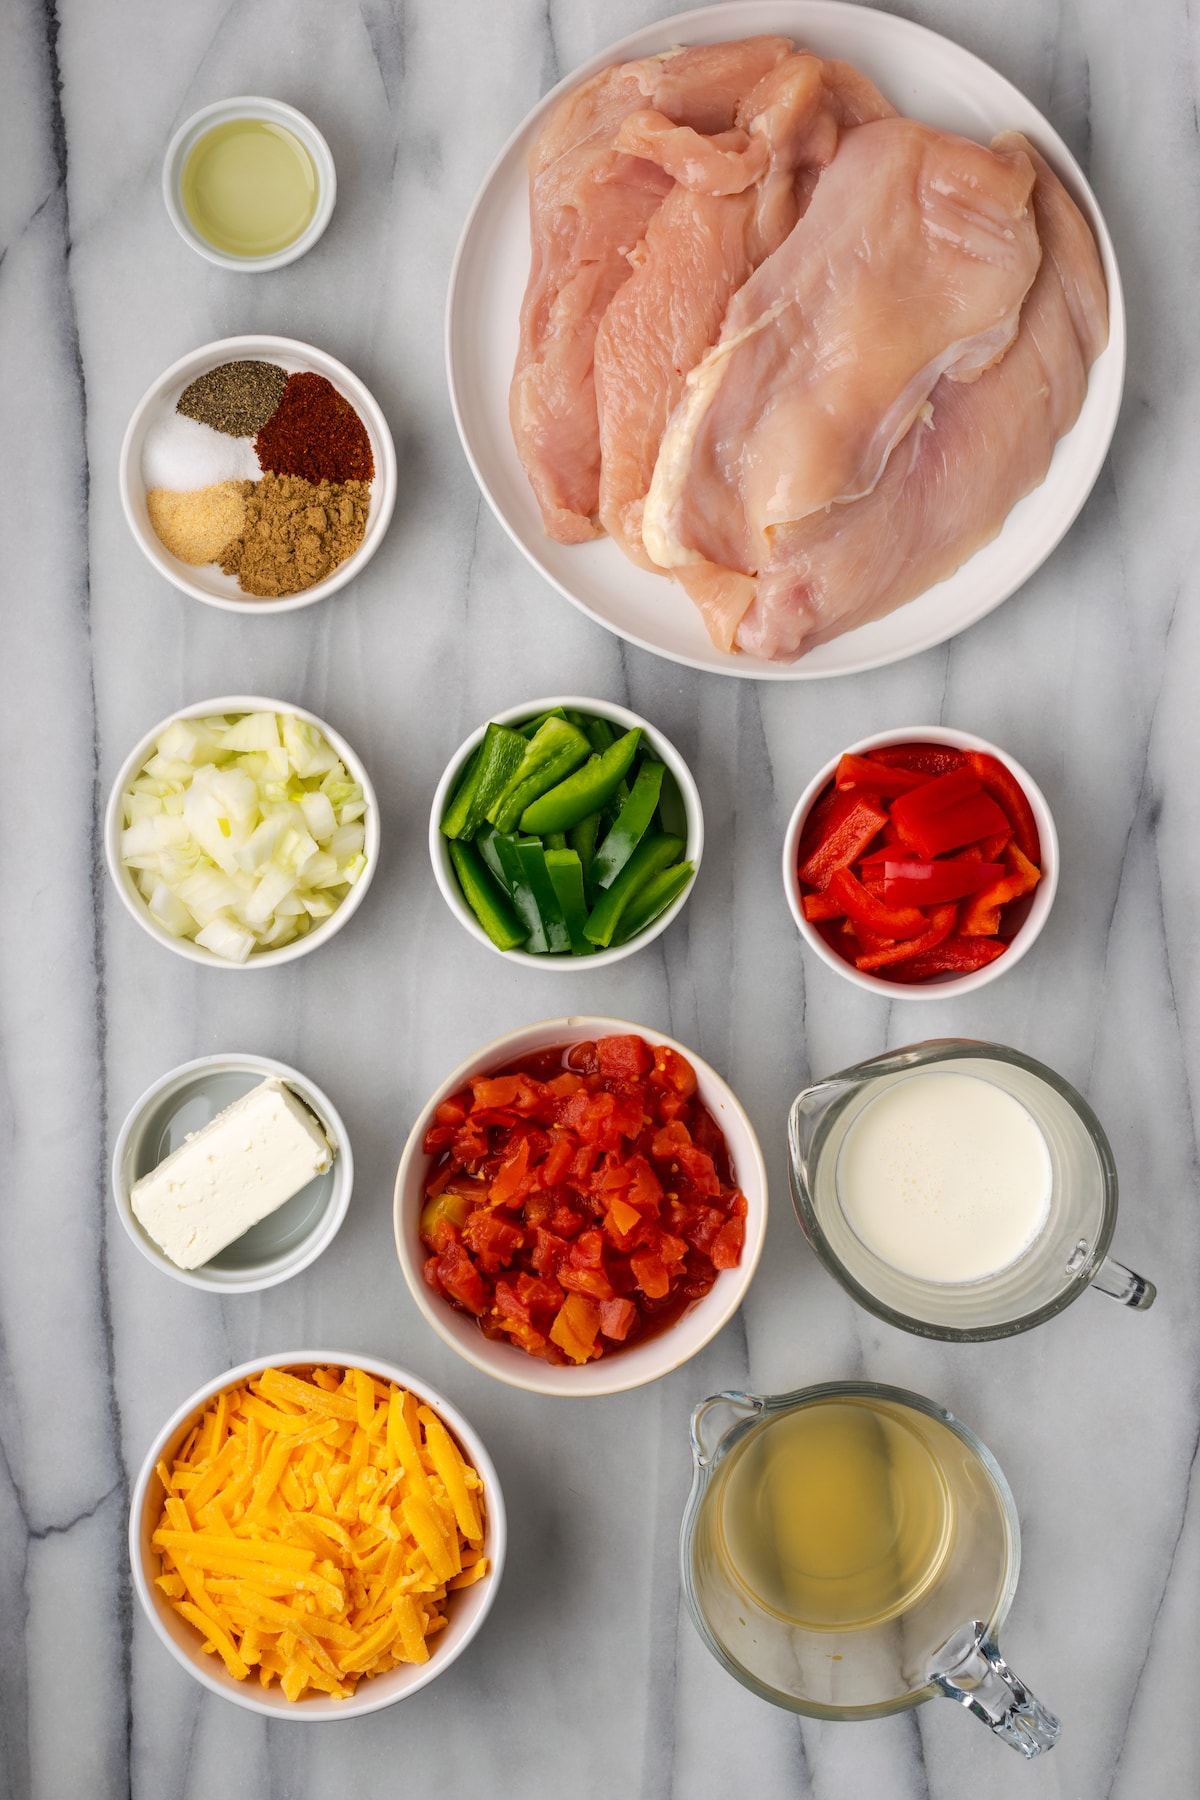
x: 924, y: 859
x: 580, y: 1207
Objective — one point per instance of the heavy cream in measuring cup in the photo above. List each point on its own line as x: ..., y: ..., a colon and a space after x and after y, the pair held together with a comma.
x: 946, y: 1177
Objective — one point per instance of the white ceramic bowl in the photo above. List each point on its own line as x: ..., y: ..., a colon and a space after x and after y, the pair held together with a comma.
x: 208, y: 582
x: 620, y: 1370
x: 439, y: 847
x: 123, y: 877
x: 184, y: 1101
x: 469, y: 1606
x: 938, y: 987
x: 272, y: 112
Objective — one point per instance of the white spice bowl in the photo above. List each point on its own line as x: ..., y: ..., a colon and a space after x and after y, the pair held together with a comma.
x: 267, y: 112
x: 126, y: 886
x: 938, y: 987
x: 468, y: 1609
x: 623, y: 720
x: 208, y: 582
x: 182, y: 1102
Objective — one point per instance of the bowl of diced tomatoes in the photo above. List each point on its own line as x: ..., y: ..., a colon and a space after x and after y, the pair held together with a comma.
x: 921, y: 862
x: 580, y: 1207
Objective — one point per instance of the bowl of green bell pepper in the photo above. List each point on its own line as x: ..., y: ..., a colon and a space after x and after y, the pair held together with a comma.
x: 566, y: 833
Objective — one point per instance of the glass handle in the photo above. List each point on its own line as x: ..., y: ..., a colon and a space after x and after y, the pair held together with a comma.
x: 1131, y: 1290
x: 702, y: 1450
x: 970, y: 1669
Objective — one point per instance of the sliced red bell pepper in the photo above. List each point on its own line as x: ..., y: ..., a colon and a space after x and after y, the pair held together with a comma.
x: 955, y: 956
x: 946, y: 813
x: 887, y: 853
x: 864, y: 909
x: 876, y: 777
x: 828, y: 811
x: 933, y: 883
x: 926, y: 759
x: 823, y: 906
x: 981, y: 917
x: 941, y: 925
x: 1000, y: 782
x: 843, y: 842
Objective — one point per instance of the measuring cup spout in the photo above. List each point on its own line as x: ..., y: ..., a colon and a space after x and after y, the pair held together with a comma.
x: 970, y: 1669
x: 1133, y: 1290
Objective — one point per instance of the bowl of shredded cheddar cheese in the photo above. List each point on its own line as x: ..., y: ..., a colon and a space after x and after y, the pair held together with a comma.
x: 315, y: 1536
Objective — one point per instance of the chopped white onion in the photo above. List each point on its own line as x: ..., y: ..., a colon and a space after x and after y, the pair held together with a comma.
x: 243, y: 833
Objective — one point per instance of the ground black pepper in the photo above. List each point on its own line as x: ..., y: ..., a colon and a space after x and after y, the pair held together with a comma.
x: 237, y: 398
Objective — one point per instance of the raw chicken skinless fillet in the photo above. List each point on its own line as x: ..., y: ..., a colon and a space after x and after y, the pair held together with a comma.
x: 736, y: 199
x: 590, y: 204
x: 910, y: 264
x: 905, y: 367
x: 952, y: 482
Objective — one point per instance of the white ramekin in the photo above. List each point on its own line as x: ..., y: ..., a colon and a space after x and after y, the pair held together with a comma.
x: 939, y: 987
x: 439, y: 847
x: 469, y: 1608
x: 123, y: 878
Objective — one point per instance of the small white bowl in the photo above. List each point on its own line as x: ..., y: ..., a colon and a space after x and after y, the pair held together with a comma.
x: 938, y: 987
x: 271, y: 112
x: 439, y: 846
x: 468, y: 1609
x: 184, y: 1101
x: 123, y: 878
x: 208, y: 582
x: 619, y: 1370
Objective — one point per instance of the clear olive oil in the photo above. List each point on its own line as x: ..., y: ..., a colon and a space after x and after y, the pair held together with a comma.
x: 249, y: 187
x: 835, y: 1516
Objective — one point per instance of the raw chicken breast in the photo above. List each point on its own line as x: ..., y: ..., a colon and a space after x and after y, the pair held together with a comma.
x: 590, y: 204
x: 910, y: 264
x: 735, y: 202
x: 953, y: 481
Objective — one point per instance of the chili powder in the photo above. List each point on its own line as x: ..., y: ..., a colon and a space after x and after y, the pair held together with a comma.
x: 315, y: 433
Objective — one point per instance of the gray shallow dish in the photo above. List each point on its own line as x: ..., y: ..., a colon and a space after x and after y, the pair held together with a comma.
x: 184, y: 1101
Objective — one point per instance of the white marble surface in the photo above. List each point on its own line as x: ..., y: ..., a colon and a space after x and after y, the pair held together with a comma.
x: 589, y: 1678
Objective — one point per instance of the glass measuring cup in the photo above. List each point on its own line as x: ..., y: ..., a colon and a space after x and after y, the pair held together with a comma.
x: 811, y: 1628
x: 1069, y: 1252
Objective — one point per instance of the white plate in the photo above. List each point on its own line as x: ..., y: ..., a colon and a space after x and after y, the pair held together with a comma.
x: 924, y: 75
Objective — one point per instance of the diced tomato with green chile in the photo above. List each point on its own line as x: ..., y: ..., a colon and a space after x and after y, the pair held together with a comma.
x: 595, y: 1176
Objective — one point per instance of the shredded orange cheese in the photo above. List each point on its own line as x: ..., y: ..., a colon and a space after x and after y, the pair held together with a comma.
x: 312, y: 1525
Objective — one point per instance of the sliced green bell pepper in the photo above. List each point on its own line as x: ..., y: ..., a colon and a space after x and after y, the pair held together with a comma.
x: 652, y: 855
x: 523, y: 898
x: 585, y: 791
x: 485, y: 897
x: 566, y: 875
x: 582, y: 838
x: 557, y: 749
x: 533, y: 865
x: 630, y: 825
x: 655, y: 896
x: 488, y: 773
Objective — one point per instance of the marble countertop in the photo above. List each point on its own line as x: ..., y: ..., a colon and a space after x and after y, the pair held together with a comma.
x: 589, y: 1678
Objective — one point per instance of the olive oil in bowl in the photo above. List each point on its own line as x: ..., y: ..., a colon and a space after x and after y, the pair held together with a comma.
x: 249, y: 187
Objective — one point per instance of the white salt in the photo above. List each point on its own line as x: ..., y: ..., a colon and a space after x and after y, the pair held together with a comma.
x: 181, y: 454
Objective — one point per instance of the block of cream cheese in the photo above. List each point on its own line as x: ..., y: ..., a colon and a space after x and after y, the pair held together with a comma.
x: 222, y: 1180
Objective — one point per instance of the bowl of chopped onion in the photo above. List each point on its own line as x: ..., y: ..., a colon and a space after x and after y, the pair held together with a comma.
x: 242, y: 832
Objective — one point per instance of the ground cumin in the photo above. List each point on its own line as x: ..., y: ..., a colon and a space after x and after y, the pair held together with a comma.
x: 296, y: 532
